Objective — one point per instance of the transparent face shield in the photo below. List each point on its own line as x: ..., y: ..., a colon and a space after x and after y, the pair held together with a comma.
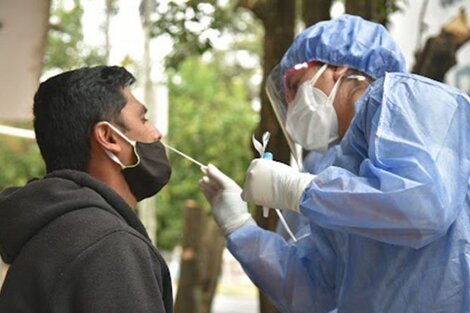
x: 276, y: 86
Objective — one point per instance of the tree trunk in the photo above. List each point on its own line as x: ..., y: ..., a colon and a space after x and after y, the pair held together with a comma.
x: 278, y: 18
x: 201, y: 261
x: 438, y: 54
x: 107, y: 23
x: 315, y: 10
x: 373, y: 10
x: 146, y: 208
x: 437, y: 57
x: 210, y: 265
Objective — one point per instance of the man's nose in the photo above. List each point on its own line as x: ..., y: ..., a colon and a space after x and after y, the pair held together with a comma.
x: 156, y: 134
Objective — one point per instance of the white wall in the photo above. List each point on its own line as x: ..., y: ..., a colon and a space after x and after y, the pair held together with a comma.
x: 24, y: 25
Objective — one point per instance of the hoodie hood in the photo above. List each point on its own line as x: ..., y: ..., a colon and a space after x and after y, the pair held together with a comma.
x: 24, y: 211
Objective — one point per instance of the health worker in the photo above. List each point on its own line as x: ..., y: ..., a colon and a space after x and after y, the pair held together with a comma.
x: 386, y: 197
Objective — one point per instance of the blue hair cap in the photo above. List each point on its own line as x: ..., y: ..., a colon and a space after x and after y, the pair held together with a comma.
x: 347, y: 41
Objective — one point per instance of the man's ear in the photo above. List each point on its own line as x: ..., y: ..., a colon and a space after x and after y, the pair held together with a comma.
x: 340, y: 71
x: 106, y: 137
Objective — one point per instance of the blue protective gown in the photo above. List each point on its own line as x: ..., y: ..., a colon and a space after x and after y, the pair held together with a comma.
x: 389, y: 212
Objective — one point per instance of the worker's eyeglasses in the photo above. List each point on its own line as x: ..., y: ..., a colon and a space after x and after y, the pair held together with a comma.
x: 291, y: 79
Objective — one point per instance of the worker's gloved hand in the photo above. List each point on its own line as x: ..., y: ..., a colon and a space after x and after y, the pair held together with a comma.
x: 274, y: 184
x: 229, y: 210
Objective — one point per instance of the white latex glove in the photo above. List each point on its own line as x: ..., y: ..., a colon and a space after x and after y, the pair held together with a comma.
x: 229, y: 210
x: 274, y: 185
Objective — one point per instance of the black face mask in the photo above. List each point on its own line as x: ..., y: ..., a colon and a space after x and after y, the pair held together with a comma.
x: 150, y: 173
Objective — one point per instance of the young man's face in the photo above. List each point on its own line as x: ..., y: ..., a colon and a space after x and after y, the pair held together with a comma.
x: 134, y: 117
x: 138, y: 128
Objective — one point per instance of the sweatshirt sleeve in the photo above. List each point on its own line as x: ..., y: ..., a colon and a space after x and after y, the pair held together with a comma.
x: 118, y: 273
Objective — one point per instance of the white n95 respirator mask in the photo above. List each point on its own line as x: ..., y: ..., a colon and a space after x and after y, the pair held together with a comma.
x: 311, y: 119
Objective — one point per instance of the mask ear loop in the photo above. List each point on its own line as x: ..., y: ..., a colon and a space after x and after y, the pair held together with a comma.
x: 329, y: 102
x: 334, y: 91
x: 317, y: 75
x: 313, y: 80
x: 290, y: 72
x: 131, y: 142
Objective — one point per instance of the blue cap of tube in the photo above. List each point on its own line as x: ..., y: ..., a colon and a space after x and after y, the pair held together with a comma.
x: 268, y: 155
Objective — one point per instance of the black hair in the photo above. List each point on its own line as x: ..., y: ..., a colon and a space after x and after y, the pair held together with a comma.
x: 67, y: 107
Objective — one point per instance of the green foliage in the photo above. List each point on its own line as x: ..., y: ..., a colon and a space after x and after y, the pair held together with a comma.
x: 211, y: 117
x: 211, y: 120
x: 194, y: 24
x: 388, y: 7
x: 20, y: 159
x: 65, y: 49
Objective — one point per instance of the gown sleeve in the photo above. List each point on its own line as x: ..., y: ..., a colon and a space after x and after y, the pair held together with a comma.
x: 297, y: 277
x: 408, y: 183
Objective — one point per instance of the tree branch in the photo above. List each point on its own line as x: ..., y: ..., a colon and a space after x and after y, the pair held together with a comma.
x: 258, y: 7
